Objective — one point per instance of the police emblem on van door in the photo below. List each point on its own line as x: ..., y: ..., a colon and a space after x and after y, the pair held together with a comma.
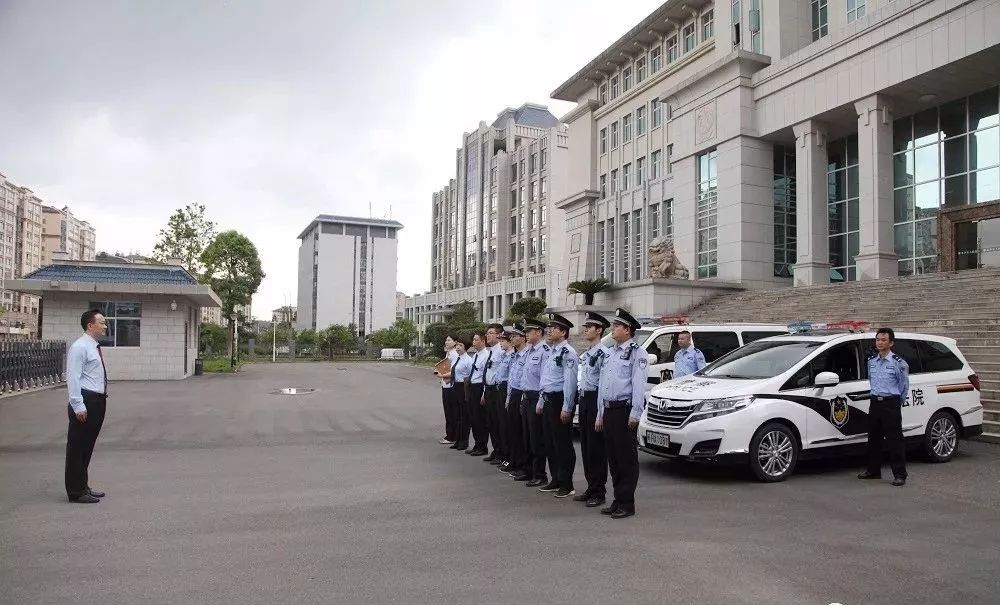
x: 839, y: 411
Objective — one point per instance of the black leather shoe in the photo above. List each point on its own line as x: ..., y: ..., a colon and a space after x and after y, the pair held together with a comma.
x: 898, y: 481
x: 95, y: 493
x: 582, y: 497
x: 520, y: 476
x: 551, y: 486
x: 84, y: 499
x: 536, y: 482
x: 595, y: 501
x: 496, y: 462
x: 607, y: 510
x: 454, y: 446
x: 489, y: 458
x: 460, y: 446
x: 565, y: 492
x: 621, y: 513
x: 867, y: 475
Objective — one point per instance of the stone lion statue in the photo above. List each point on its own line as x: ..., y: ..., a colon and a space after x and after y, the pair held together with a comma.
x: 662, y: 260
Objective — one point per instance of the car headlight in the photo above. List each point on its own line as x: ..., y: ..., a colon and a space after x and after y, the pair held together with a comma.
x: 710, y: 408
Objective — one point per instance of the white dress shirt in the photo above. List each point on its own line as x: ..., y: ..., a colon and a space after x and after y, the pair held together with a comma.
x: 84, y: 370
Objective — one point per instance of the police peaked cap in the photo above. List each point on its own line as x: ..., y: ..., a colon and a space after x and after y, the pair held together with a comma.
x: 596, y: 319
x: 533, y: 324
x: 516, y: 330
x: 622, y: 317
x: 559, y: 321
x: 505, y: 334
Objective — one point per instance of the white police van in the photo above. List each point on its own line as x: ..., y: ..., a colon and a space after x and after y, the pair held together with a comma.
x: 807, y: 394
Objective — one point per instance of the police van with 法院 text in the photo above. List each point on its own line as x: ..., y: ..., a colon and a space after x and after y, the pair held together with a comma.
x: 779, y: 399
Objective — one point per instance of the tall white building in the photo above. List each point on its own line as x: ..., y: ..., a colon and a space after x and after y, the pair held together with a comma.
x: 347, y: 273
x: 20, y: 254
x: 785, y: 142
x: 491, y: 224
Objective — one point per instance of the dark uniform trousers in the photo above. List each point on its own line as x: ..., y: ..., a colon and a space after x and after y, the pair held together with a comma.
x: 490, y: 415
x: 450, y: 426
x: 531, y: 425
x: 498, y: 422
x: 515, y: 434
x: 474, y: 413
x: 623, y: 453
x: 558, y: 441
x: 456, y: 401
x: 595, y: 461
x: 80, y: 440
x: 885, y: 420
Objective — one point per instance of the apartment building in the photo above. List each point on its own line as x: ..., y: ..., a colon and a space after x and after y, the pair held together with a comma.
x: 20, y: 254
x: 63, y: 232
x: 780, y: 143
x: 347, y: 273
x: 491, y: 224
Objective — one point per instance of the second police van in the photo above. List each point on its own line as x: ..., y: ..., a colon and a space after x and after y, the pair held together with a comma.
x: 778, y: 399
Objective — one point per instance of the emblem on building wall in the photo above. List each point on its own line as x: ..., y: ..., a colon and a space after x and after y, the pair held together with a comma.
x: 704, y: 123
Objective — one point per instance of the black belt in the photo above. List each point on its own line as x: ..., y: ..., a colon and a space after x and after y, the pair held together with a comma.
x: 624, y: 403
x: 88, y: 392
x: 552, y: 395
x: 503, y: 385
x: 492, y: 387
x: 885, y: 397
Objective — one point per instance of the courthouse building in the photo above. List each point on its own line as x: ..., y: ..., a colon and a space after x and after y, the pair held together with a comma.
x: 780, y: 143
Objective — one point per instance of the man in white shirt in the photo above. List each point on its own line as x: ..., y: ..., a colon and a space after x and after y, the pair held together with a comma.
x: 87, y: 383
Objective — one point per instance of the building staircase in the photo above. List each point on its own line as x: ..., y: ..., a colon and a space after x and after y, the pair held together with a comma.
x: 963, y: 305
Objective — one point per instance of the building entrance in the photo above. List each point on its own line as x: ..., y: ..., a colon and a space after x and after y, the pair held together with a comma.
x: 970, y: 237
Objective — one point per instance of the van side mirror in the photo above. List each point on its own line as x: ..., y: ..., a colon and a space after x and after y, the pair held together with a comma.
x: 651, y: 359
x: 827, y: 379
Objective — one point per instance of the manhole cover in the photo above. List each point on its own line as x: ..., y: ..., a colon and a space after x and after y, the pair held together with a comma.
x: 294, y: 391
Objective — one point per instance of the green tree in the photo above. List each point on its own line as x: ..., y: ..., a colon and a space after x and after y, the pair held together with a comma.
x: 397, y: 336
x: 337, y: 339
x: 212, y: 339
x: 306, y: 340
x: 187, y: 234
x: 588, y: 287
x: 529, y: 306
x: 464, y: 314
x: 232, y: 269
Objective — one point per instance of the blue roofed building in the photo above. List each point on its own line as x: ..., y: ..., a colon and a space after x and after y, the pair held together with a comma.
x: 153, y: 312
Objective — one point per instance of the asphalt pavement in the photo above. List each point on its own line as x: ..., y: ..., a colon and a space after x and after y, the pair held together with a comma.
x: 220, y: 491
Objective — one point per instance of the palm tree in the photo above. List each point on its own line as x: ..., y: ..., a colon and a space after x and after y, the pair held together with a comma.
x: 588, y: 287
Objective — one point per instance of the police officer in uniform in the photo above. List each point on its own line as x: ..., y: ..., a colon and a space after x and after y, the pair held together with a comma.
x: 558, y: 386
x: 531, y: 410
x: 620, y: 403
x: 687, y: 359
x: 595, y: 462
x: 496, y: 391
x: 517, y: 457
x: 491, y: 388
x: 890, y: 384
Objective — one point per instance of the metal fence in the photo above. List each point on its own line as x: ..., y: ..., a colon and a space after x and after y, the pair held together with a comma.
x: 31, y: 364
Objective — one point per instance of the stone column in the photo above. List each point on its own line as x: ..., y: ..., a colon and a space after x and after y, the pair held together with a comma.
x: 876, y: 257
x: 812, y: 248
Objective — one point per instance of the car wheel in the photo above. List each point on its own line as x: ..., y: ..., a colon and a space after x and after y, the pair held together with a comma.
x: 941, y: 438
x: 774, y: 451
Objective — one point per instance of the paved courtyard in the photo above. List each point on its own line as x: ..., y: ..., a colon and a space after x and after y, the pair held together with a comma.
x: 220, y: 492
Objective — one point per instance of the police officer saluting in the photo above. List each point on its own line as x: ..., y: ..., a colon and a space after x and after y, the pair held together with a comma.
x: 620, y: 403
x: 595, y: 462
x: 890, y: 384
x: 558, y: 386
x: 687, y: 359
x: 531, y: 411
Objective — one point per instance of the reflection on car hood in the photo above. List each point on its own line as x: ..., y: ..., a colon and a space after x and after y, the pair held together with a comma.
x: 702, y: 387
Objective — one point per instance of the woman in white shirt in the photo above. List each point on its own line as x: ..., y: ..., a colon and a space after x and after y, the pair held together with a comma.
x: 461, y: 372
x: 450, y: 424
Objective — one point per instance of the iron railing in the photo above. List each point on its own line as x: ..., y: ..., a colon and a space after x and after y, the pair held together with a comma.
x: 31, y: 364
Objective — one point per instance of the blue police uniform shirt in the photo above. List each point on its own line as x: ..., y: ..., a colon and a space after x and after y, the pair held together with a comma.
x: 517, y: 368
x: 623, y: 378
x: 463, y: 368
x: 559, y: 373
x: 492, y: 364
x: 591, y: 362
x: 889, y: 375
x: 688, y: 361
x: 479, y: 361
x: 531, y: 376
x: 501, y: 369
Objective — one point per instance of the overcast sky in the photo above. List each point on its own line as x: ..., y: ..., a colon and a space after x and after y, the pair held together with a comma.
x: 270, y: 113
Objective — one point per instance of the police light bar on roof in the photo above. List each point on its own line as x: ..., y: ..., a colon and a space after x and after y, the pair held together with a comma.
x: 797, y: 327
x: 674, y: 319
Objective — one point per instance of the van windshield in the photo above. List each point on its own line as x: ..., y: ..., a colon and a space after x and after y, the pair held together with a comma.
x: 761, y: 359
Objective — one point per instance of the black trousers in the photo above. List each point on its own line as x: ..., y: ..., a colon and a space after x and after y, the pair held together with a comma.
x: 455, y: 397
x: 558, y: 441
x: 490, y: 415
x: 885, y: 421
x: 623, y: 455
x: 80, y: 440
x: 450, y: 428
x: 516, y: 451
x: 531, y: 425
x: 496, y: 398
x: 595, y: 461
x: 477, y: 422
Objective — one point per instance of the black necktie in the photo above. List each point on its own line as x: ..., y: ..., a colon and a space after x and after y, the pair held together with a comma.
x: 100, y: 354
x: 488, y: 358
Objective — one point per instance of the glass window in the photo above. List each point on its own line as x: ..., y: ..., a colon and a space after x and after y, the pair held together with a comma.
x: 601, y: 266
x: 614, y: 135
x: 855, y: 10
x: 654, y: 164
x: 819, y: 19
x: 640, y: 168
x: 611, y: 247
x: 715, y: 344
x: 707, y: 25
x: 657, y: 113
x: 602, y: 93
x: 627, y: 128
x: 707, y: 243
x: 785, y: 236
x: 640, y: 120
x: 614, y: 87
x: 664, y: 347
x: 604, y: 140
x: 627, y: 79
x: 761, y: 359
x: 672, y: 52
x: 124, y: 323
x: 751, y: 336
x: 654, y: 221
x: 640, y: 69
x: 624, y: 226
x: 655, y: 59
x: 737, y: 17
x: 626, y: 177
x: 936, y: 357
x: 842, y: 208
x: 604, y: 185
x: 614, y: 181
x: 690, y: 40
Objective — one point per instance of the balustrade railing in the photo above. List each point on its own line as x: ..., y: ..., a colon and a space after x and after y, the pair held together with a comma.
x: 31, y: 364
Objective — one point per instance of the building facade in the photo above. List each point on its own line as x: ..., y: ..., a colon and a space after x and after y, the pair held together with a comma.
x: 64, y: 232
x: 284, y: 315
x: 20, y: 254
x: 781, y: 143
x: 347, y: 273
x: 491, y: 234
